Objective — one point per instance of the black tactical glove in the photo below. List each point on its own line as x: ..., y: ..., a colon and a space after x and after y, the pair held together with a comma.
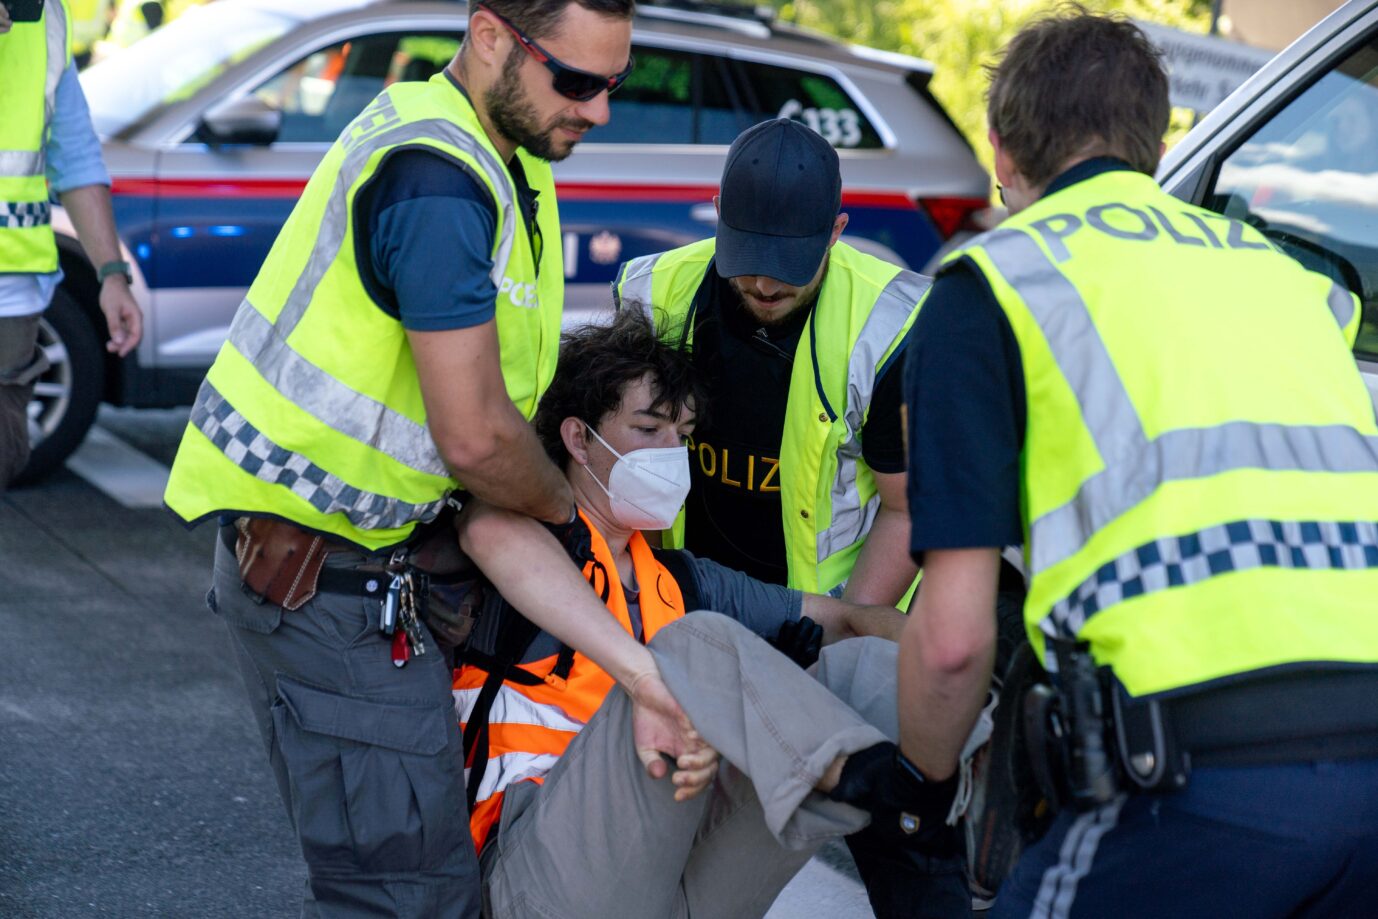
x: 882, y: 780
x: 574, y: 537
x: 800, y: 640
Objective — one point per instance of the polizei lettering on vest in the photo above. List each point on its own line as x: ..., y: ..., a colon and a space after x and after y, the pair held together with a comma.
x: 755, y: 473
x: 378, y: 116
x: 1122, y: 221
x: 522, y: 296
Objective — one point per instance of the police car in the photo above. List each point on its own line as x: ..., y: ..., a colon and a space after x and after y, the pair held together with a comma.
x: 1294, y: 152
x: 212, y: 125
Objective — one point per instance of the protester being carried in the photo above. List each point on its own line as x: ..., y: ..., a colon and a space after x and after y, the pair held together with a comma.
x: 568, y: 821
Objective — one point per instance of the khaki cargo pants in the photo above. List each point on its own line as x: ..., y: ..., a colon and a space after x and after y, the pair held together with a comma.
x: 601, y: 840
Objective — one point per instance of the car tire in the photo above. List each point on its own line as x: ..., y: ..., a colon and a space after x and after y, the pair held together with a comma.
x: 69, y: 392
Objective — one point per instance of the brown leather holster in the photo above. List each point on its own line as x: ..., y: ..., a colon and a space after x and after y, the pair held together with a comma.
x: 280, y: 563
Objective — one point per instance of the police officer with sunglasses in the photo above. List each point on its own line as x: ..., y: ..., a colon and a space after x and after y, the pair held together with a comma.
x: 391, y: 352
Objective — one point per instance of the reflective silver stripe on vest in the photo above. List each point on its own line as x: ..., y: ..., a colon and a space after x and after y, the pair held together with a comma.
x: 260, y: 457
x: 317, y: 393
x: 1179, y: 561
x: 15, y: 216
x: 1190, y: 454
x: 850, y: 518
x: 56, y: 18
x: 22, y: 164
x: 632, y: 287
x: 1341, y: 304
x: 264, y: 342
x: 1135, y: 466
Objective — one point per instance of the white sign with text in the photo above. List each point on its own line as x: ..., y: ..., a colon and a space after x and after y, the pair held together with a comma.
x: 1203, y: 70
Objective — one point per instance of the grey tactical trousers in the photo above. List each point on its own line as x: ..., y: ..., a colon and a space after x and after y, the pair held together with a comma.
x: 601, y: 840
x: 367, y: 756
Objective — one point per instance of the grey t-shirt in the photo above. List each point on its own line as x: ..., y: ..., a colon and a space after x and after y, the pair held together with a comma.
x: 759, y: 606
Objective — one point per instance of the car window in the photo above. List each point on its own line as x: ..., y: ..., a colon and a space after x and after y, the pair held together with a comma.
x: 816, y: 100
x: 322, y: 93
x: 1308, y: 179
x: 673, y: 97
x: 176, y: 60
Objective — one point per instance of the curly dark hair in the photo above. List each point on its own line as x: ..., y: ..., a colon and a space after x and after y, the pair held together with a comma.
x: 598, y: 363
x: 1073, y: 83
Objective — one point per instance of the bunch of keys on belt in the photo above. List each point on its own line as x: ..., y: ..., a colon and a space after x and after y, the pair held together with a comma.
x: 401, y: 606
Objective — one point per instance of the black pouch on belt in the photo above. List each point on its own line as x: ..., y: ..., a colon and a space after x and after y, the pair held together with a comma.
x: 453, y: 591
x: 451, y: 610
x: 1149, y: 753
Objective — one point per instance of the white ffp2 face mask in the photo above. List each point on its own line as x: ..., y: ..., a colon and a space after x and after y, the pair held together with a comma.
x: 646, y: 488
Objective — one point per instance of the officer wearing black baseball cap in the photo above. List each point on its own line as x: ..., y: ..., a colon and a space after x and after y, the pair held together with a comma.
x: 798, y: 466
x: 778, y: 211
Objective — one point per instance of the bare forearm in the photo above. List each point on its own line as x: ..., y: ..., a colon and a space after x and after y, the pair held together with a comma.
x: 937, y: 708
x: 877, y: 621
x: 841, y: 619
x: 89, y: 208
x: 512, y: 471
x: 884, y: 569
x: 532, y: 572
x: 945, y: 657
x: 485, y: 441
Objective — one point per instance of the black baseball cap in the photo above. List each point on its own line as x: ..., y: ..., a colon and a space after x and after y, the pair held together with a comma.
x: 781, y: 193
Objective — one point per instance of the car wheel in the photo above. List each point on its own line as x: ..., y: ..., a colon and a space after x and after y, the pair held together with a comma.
x: 66, y: 397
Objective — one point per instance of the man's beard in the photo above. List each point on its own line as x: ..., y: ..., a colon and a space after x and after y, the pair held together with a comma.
x: 807, y: 297
x: 515, y: 117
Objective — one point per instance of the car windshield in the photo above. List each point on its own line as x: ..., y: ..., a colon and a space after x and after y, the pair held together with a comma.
x: 173, y: 62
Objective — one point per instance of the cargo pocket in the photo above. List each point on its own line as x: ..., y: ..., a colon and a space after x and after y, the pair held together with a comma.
x: 377, y: 786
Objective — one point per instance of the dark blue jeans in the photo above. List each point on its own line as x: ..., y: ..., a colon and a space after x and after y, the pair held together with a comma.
x: 1261, y: 841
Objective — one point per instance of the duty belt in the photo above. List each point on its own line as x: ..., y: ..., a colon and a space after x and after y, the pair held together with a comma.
x: 368, y: 580
x: 1089, y: 739
x: 1320, y: 712
x: 1280, y: 718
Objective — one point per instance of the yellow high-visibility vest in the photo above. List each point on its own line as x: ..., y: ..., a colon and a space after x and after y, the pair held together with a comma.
x: 312, y: 410
x: 33, y: 56
x: 1200, y: 466
x: 828, y: 493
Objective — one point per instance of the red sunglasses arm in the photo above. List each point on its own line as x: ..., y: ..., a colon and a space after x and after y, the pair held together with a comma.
x: 528, y: 44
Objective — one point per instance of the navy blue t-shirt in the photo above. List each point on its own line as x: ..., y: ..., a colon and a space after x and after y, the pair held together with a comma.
x: 964, y: 392
x: 424, y: 231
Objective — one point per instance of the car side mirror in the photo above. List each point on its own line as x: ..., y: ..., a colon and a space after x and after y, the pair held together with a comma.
x: 248, y: 120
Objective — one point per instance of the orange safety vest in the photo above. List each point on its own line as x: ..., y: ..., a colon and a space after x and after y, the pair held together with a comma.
x: 529, y: 727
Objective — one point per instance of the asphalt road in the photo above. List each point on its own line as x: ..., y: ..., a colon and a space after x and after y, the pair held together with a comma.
x: 132, y: 779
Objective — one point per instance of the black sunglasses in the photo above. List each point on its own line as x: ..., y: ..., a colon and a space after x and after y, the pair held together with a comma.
x: 570, y: 82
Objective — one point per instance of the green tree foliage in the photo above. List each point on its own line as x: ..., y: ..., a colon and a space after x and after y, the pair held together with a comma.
x: 963, y: 37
